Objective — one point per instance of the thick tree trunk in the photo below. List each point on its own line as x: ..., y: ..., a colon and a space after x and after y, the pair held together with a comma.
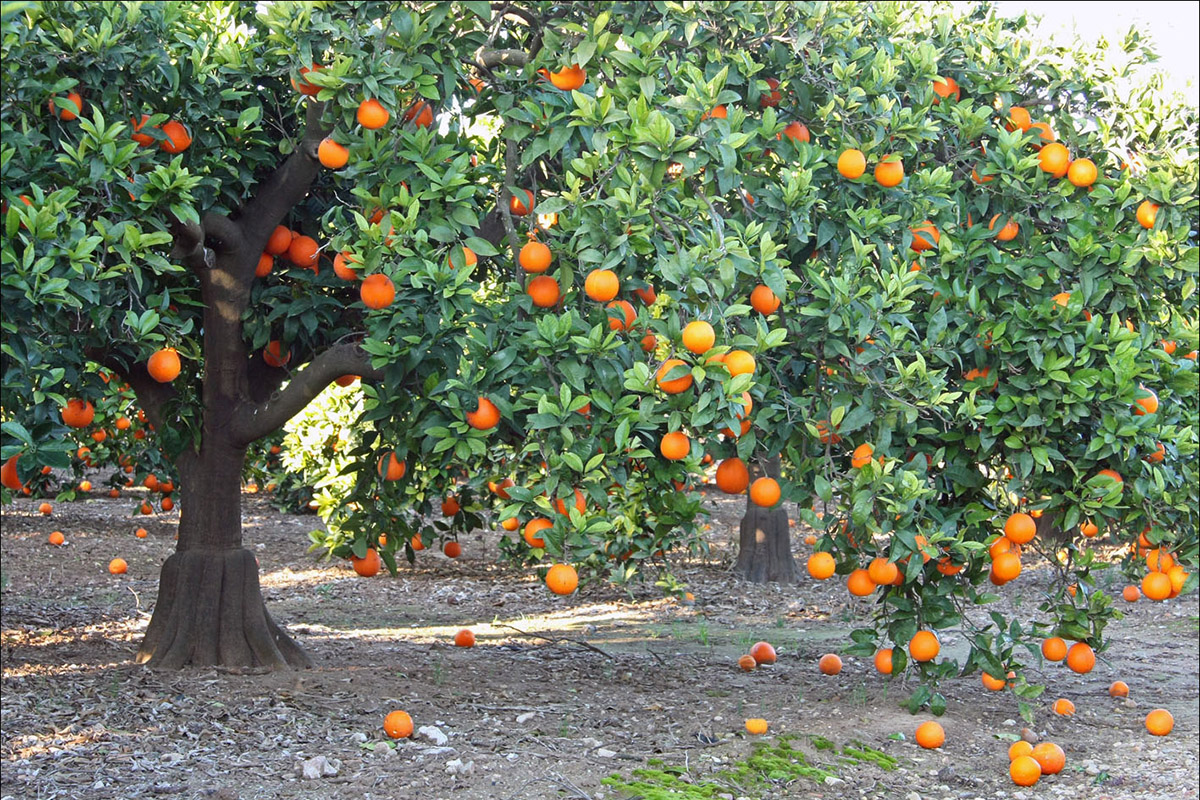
x: 210, y: 610
x: 765, y: 546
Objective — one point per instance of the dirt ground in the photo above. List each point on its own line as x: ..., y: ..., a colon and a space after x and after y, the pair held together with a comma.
x: 558, y: 694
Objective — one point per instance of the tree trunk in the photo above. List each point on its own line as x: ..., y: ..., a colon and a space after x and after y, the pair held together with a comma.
x: 765, y: 546
x: 210, y: 610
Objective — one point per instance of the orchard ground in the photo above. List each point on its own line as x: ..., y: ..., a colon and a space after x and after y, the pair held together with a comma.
x: 557, y: 695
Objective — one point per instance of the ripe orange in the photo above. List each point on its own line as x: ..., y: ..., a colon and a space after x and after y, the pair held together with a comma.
x: 718, y: 112
x: 450, y: 506
x: 303, y: 86
x: 1160, y: 452
x: 543, y: 290
x: 1159, y: 560
x: 167, y: 504
x: 1082, y: 172
x: 747, y: 662
x: 1020, y: 528
x: 763, y: 300
x: 1018, y: 118
x: 732, y: 475
x: 464, y: 638
x: 1006, y: 567
x: 266, y: 262
x: 46, y: 509
x: 485, y: 416
x: 118, y: 566
x: 1160, y: 722
x: 883, y: 572
x: 859, y: 583
x: 568, y: 79
x: 924, y: 646
x: 1054, y: 159
x: 1006, y: 233
x: 602, y: 285
x: 562, y: 579
x: 1020, y: 748
x: 930, y: 735
x: 862, y: 456
x: 739, y: 362
x: 420, y: 114
x: 698, y: 337
x: 280, y: 241
x: 510, y: 524
x: 1118, y: 689
x: 521, y: 208
x: 621, y: 315
x: 1024, y: 771
x: 398, y: 725
x: 534, y: 257
x: 371, y: 114
x: 342, y: 268
x: 533, y: 528
x: 178, y: 137
x: 1147, y: 212
x: 9, y: 477
x: 770, y: 98
x: 993, y: 684
x: 796, y: 131
x: 303, y: 251
x: 78, y: 413
x: 765, y: 492
x: 648, y: 296
x: 890, y: 171
x: 1156, y: 586
x: 273, y: 355
x: 580, y: 503
x: 883, y: 661
x: 1050, y: 757
x: 143, y: 139
x: 56, y: 538
x: 1089, y: 528
x: 1064, y: 707
x: 675, y: 446
x: 1178, y: 577
x: 673, y: 385
x: 756, y: 726
x: 1147, y: 404
x: 830, y: 664
x: 851, y: 164
x: 821, y: 566
x: 925, y: 237
x: 1131, y: 594
x: 368, y: 566
x: 452, y: 549
x: 763, y: 653
x: 164, y: 365
x: 141, y: 533
x: 1054, y: 649
x: 1081, y: 658
x: 66, y: 114
x: 332, y: 155
x: 377, y: 291
x: 1046, y: 135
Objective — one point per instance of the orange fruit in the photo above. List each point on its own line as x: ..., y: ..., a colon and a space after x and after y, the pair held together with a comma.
x: 266, y: 262
x: 1089, y: 528
x: 930, y: 735
x: 763, y: 653
x: 78, y: 413
x: 280, y: 241
x: 342, y: 268
x: 621, y: 315
x: 1054, y: 649
x: 1148, y: 404
x: 1082, y: 172
x: 830, y: 664
x: 46, y: 510
x: 732, y: 475
x: 1118, y: 689
x: 602, y: 285
x: 167, y: 504
x: 485, y: 416
x: 1131, y: 594
x: 1054, y: 159
x: 925, y: 237
x: 1160, y: 452
x: 765, y: 492
x: 332, y: 155
x: 770, y: 98
x: 756, y: 726
x: 164, y: 365
x: 56, y: 538
x: 1024, y: 771
x: 543, y: 290
x: 883, y: 661
x: 143, y: 139
x: 859, y: 583
x: 452, y: 549
x: 851, y: 164
x: 993, y: 684
x: 178, y: 137
x: 371, y: 114
x: 118, y: 566
x: 510, y: 524
x: 141, y: 533
x: 562, y: 579
x: 464, y: 638
x: 303, y: 251
x: 944, y: 88
x: 674, y: 385
x: 1020, y: 748
x: 796, y: 131
x: 1018, y: 118
x: 889, y: 173
x: 1006, y: 567
x: 1156, y: 586
x: 273, y: 355
x: 368, y: 566
x: 1081, y: 658
x: 534, y: 257
x: 450, y: 506
x: 699, y: 336
x: 391, y: 468
x: 862, y: 456
x: 8, y: 474
x: 747, y: 662
x: 1178, y: 577
x: 1020, y: 528
x: 1050, y: 757
x: 883, y: 572
x: 924, y: 646
x: 580, y: 504
x: 420, y: 114
x: 675, y: 446
x: 1160, y: 722
x: 66, y: 114
x: 533, y: 528
x: 1064, y: 707
x: 1006, y: 233
x: 1045, y: 134
x: 763, y: 300
x: 568, y: 79
x: 1159, y: 560
x: 521, y: 208
x: 377, y: 291
x: 398, y: 725
x: 739, y: 362
x: 718, y: 112
x: 821, y: 566
x: 1147, y: 212
x: 304, y: 87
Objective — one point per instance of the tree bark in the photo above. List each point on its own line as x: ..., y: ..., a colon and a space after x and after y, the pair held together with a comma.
x: 764, y: 544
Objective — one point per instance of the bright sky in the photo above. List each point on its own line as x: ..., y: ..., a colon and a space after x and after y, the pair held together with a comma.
x: 1171, y: 25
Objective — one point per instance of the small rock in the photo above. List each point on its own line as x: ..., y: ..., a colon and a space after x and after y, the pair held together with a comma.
x: 359, y: 738
x: 590, y: 743
x: 604, y: 752
x: 1030, y: 736
x: 457, y: 767
x: 523, y: 718
x: 1010, y: 722
x: 317, y: 767
x: 831, y: 780
x: 1129, y: 702
x: 433, y: 734
x: 912, y: 796
x: 1091, y: 769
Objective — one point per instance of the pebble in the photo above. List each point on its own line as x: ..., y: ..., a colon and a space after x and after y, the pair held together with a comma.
x: 433, y: 734
x: 831, y: 780
x: 912, y: 796
x: 604, y: 752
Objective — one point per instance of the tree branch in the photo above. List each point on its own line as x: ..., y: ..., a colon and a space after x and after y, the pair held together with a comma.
x: 490, y: 59
x: 511, y: 165
x: 287, y: 185
x: 252, y: 421
x: 152, y: 396
x: 188, y: 248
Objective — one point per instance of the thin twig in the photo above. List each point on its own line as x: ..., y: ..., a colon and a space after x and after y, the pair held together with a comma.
x: 557, y: 639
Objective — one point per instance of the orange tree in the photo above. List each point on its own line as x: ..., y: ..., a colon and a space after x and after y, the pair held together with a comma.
x: 576, y: 251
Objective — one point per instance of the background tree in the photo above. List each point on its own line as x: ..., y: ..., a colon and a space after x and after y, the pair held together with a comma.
x: 577, y: 251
